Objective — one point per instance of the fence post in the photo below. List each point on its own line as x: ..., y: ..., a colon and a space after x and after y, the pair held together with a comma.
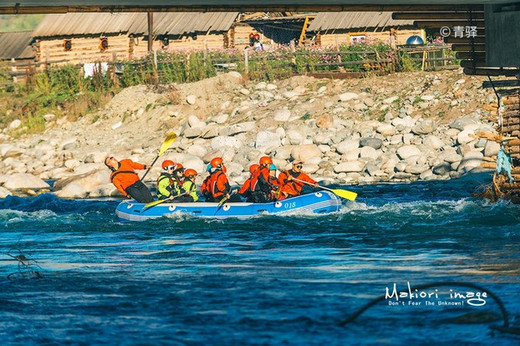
x: 155, y: 73
x: 246, y: 62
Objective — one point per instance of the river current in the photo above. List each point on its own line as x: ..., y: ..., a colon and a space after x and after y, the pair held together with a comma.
x: 71, y: 272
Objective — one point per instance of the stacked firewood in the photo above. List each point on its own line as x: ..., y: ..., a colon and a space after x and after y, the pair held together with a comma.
x: 506, y: 115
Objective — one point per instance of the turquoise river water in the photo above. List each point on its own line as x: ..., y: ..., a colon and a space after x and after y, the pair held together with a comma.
x: 71, y: 273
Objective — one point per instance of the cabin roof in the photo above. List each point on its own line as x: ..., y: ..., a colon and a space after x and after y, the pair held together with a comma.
x: 16, y: 45
x: 355, y: 20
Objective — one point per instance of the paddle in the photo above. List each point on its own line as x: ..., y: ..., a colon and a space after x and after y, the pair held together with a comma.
x: 159, y: 201
x: 350, y: 195
x: 223, y: 200
x: 170, y: 138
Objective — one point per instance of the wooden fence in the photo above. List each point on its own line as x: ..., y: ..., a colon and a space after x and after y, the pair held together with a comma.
x: 276, y: 64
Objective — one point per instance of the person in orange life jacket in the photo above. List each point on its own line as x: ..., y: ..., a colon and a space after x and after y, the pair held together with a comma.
x: 126, y: 180
x: 260, y: 186
x: 290, y: 187
x: 245, y: 190
x: 217, y: 185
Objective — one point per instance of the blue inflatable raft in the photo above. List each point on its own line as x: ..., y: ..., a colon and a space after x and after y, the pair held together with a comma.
x: 322, y: 202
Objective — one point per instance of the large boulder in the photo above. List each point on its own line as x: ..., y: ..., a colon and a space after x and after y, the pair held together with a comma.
x: 238, y: 128
x: 491, y: 148
x: 23, y: 181
x: 349, y: 166
x: 72, y: 190
x: 407, y: 151
x: 305, y: 152
x: 433, y: 142
x: 9, y: 150
x: 347, y: 146
x: 266, y: 139
x: 95, y: 157
x: 4, y: 192
x: 194, y: 162
x: 85, y: 182
x: 222, y: 142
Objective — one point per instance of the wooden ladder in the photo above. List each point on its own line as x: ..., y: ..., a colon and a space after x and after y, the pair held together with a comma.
x: 304, y: 29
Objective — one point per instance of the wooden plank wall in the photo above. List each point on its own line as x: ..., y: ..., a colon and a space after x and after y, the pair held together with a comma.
x: 338, y: 38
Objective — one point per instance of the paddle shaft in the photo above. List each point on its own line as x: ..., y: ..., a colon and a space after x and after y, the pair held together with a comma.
x: 153, y: 162
x: 154, y: 203
x: 338, y: 192
x: 170, y: 138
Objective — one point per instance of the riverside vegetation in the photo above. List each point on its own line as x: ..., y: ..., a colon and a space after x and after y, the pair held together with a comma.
x: 399, y: 127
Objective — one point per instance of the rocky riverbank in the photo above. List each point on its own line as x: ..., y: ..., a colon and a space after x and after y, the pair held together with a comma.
x: 401, y: 127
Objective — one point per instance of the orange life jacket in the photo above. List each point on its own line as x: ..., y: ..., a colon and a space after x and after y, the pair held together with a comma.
x: 292, y: 187
x: 260, y: 175
x: 217, y: 184
x: 125, y: 176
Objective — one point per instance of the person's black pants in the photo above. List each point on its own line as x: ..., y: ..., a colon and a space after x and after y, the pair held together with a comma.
x: 139, y: 192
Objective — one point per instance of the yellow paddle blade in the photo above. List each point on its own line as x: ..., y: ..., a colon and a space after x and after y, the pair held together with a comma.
x: 345, y: 194
x: 170, y: 138
x: 154, y: 203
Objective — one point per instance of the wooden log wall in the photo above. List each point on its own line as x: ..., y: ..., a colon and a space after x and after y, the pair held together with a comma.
x: 241, y: 33
x: 344, y: 37
x: 82, y: 49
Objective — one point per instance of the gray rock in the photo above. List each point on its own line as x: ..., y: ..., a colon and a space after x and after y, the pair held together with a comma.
x: 424, y: 127
x: 442, y: 169
x: 460, y: 123
x: 375, y: 143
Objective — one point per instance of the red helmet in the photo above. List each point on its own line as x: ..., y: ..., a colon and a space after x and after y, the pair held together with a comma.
x: 217, y: 161
x: 178, y: 166
x: 253, y: 168
x: 190, y: 173
x: 265, y: 160
x: 167, y: 163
